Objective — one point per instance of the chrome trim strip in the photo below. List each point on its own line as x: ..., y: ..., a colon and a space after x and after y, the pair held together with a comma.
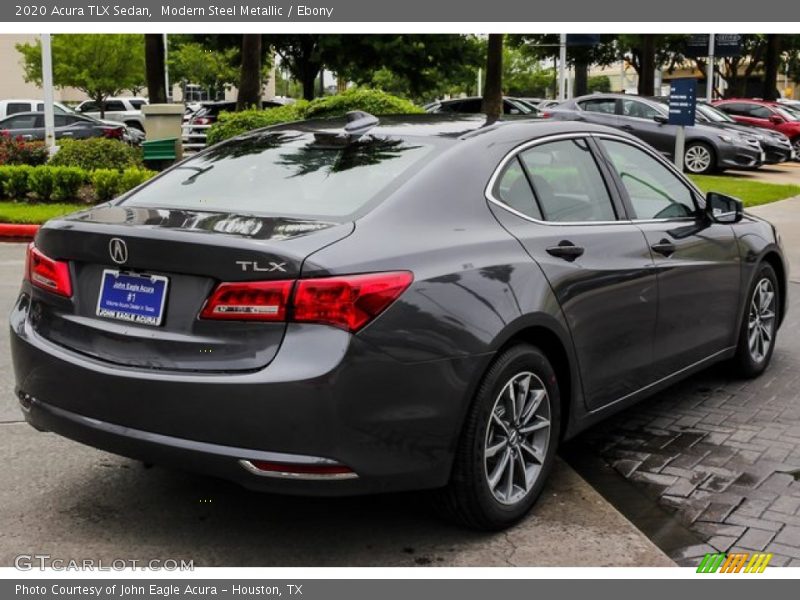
x: 249, y: 466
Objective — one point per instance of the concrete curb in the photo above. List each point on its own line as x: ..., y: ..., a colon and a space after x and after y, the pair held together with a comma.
x: 17, y: 231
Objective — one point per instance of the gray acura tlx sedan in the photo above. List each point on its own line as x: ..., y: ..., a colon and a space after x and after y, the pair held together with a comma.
x: 352, y: 306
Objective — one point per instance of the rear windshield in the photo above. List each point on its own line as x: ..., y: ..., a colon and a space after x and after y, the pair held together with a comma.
x: 295, y: 174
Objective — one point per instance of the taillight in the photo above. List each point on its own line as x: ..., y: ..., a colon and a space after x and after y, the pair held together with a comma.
x: 202, y: 121
x: 252, y: 300
x: 46, y: 273
x: 113, y: 132
x: 545, y: 114
x: 348, y: 302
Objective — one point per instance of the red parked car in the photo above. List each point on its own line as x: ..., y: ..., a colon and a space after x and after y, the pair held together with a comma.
x: 762, y: 113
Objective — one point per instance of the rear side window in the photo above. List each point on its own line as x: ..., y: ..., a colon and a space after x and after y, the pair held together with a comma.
x: 514, y: 190
x: 568, y: 183
x: 13, y: 108
x: 288, y: 173
x: 601, y: 105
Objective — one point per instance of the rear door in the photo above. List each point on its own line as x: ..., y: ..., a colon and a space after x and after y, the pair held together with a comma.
x: 598, y: 264
x: 638, y: 118
x: 697, y: 262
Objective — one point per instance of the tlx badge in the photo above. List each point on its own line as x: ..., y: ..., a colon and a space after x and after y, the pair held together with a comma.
x: 252, y: 265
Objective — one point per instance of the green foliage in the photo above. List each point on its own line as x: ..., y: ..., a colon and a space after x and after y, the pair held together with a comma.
x: 375, y: 102
x: 106, y: 183
x: 16, y: 180
x: 67, y: 181
x: 133, y: 177
x: 16, y: 151
x: 100, y: 65
x: 214, y: 70
x: 523, y: 74
x: 96, y: 153
x: 41, y: 183
x: 599, y: 83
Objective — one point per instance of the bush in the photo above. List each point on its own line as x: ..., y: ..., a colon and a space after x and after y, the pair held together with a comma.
x: 97, y: 153
x: 16, y: 181
x: 106, y: 183
x: 375, y: 102
x: 67, y: 181
x: 41, y: 182
x: 130, y: 178
x: 16, y: 151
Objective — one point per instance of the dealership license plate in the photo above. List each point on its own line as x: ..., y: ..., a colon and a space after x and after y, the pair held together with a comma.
x: 132, y: 298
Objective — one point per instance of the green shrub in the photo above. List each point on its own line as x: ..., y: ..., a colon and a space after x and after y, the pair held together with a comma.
x: 67, y: 181
x: 41, y: 182
x: 105, y: 183
x: 16, y: 184
x: 16, y: 151
x: 375, y: 102
x: 4, y: 175
x: 97, y: 153
x: 130, y: 178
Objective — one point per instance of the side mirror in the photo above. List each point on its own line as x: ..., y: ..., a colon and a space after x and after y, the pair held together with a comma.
x: 776, y: 119
x: 661, y: 119
x: 723, y: 209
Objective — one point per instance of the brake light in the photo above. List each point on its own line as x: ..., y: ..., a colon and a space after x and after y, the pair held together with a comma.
x: 545, y: 114
x: 202, y: 121
x: 348, y: 302
x: 252, y: 300
x: 113, y: 133
x: 46, y: 273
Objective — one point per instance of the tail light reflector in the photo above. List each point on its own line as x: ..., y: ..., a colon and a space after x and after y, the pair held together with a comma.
x: 348, y: 302
x: 46, y: 273
x: 252, y: 301
x: 115, y: 133
x: 322, y: 470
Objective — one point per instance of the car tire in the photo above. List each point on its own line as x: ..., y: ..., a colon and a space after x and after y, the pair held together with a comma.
x: 759, y: 324
x: 796, y: 147
x: 500, y: 467
x: 699, y: 158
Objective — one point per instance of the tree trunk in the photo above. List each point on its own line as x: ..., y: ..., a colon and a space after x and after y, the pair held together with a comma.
x: 647, y: 69
x: 250, y: 76
x: 308, y: 79
x: 581, y: 77
x: 771, y: 60
x: 493, y: 88
x: 154, y: 67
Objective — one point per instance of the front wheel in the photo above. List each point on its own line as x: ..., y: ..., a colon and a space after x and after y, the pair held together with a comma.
x: 508, y: 444
x: 699, y: 158
x: 759, y: 325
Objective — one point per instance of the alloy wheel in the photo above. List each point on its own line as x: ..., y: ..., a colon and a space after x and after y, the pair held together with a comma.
x: 761, y: 320
x: 796, y: 146
x: 697, y: 159
x: 517, y: 438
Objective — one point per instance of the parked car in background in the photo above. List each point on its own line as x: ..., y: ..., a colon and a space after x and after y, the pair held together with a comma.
x: 420, y: 302
x: 125, y: 109
x: 777, y: 147
x: 707, y: 149
x: 764, y: 114
x: 473, y: 105
x: 197, y: 123
x: 30, y: 126
x: 547, y: 104
x: 14, y: 106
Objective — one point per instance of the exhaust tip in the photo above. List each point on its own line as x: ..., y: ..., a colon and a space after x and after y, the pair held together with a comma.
x: 323, y: 470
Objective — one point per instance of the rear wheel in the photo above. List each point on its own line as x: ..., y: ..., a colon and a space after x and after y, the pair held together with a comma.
x: 699, y: 158
x: 759, y: 325
x: 508, y: 444
x: 796, y: 146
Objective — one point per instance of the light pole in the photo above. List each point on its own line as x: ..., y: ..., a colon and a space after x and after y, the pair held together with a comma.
x: 710, y: 68
x: 562, y: 67
x: 47, y: 83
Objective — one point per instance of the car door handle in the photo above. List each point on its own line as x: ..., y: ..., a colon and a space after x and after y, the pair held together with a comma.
x: 664, y: 247
x: 566, y: 250
x: 627, y: 127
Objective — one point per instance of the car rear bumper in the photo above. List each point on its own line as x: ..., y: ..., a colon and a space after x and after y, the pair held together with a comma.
x: 327, y: 398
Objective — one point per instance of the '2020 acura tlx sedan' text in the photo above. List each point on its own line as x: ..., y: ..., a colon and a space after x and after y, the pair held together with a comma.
x: 352, y: 306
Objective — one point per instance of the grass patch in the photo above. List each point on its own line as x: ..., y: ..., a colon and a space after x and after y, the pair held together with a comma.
x: 35, y: 214
x: 752, y: 193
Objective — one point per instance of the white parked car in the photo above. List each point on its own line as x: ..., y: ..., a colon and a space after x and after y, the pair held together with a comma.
x: 17, y: 105
x: 125, y: 109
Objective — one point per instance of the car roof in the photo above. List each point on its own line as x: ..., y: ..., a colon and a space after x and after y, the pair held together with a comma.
x: 751, y: 100
x: 449, y: 126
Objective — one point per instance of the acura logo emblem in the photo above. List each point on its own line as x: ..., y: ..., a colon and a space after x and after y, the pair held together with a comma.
x: 118, y: 250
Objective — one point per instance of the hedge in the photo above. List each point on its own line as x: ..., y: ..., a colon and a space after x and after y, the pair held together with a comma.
x: 97, y: 153
x: 65, y: 184
x: 375, y: 102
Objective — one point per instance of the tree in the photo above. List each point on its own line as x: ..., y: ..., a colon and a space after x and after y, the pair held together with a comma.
x: 493, y: 88
x: 154, y: 67
x: 301, y: 55
x: 100, y: 65
x: 250, y: 80
x: 214, y: 70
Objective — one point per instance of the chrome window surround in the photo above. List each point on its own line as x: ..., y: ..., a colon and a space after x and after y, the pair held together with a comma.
x: 488, y: 192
